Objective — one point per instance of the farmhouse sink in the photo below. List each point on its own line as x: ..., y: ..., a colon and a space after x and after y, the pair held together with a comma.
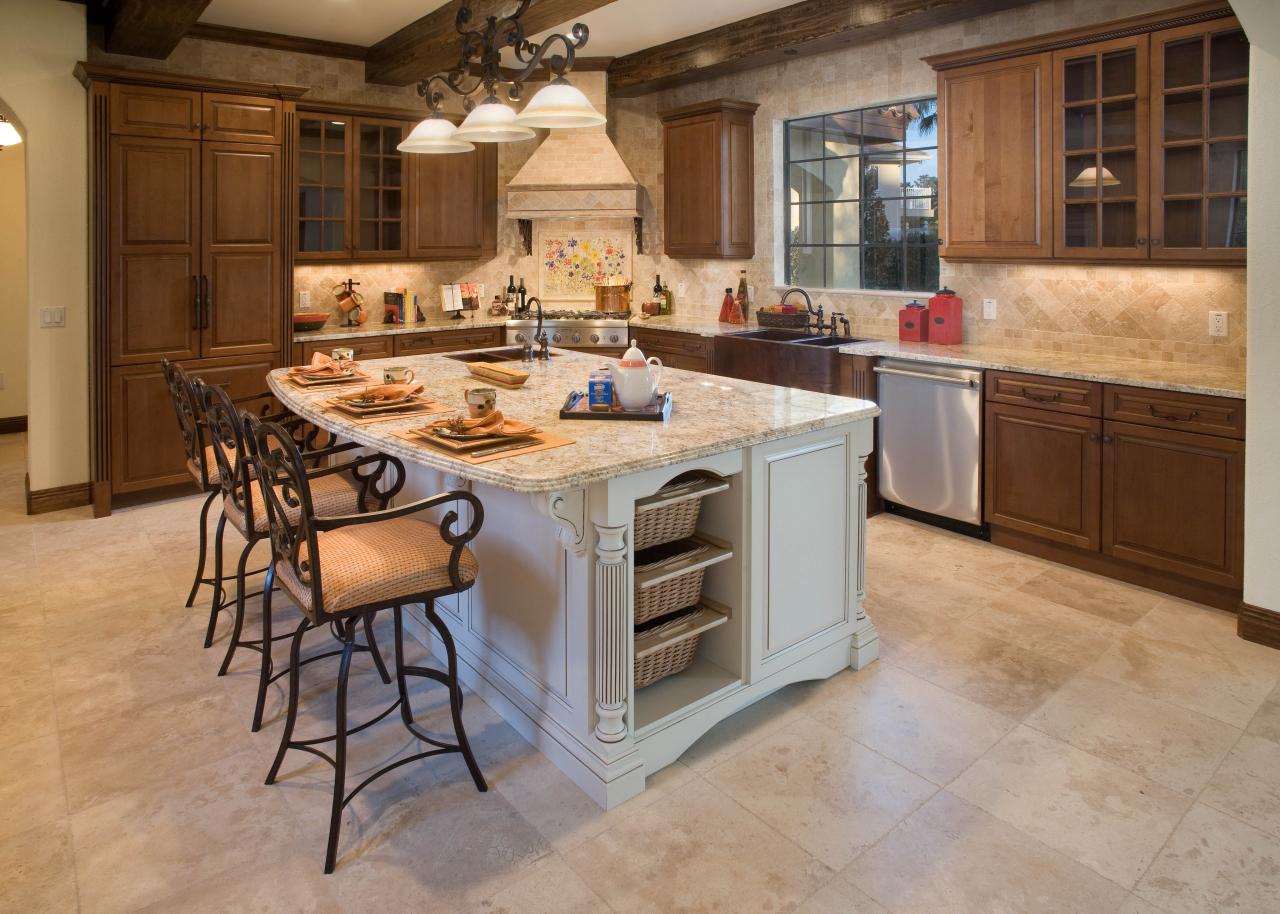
x: 788, y: 358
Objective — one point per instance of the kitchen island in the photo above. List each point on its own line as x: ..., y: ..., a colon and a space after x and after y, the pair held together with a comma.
x: 547, y: 634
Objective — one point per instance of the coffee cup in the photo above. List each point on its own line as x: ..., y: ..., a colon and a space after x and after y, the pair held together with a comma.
x: 481, y: 401
x: 397, y: 374
x: 343, y: 354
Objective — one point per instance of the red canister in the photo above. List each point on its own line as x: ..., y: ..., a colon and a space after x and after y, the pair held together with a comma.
x: 946, y: 318
x: 913, y: 323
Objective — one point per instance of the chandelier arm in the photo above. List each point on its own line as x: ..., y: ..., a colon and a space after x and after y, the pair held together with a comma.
x: 533, y: 55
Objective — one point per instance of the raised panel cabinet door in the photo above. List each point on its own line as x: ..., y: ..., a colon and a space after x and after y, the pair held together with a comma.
x: 740, y: 216
x: 455, y: 205
x: 1174, y: 501
x: 1043, y: 474
x: 365, y: 347
x: 146, y: 445
x: 994, y: 168
x: 692, y: 187
x: 154, y: 249
x: 241, y: 250
x: 153, y: 111
x: 241, y: 118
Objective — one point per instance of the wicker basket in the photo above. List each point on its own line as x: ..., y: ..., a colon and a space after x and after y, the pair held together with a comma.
x: 669, y: 647
x: 670, y: 594
x: 797, y: 321
x: 671, y: 513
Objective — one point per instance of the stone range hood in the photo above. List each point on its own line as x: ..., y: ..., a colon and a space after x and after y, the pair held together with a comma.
x: 576, y: 174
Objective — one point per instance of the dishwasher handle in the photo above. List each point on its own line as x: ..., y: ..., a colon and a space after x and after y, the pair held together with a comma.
x: 925, y: 376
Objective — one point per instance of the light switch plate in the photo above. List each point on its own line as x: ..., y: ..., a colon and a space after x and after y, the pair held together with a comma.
x: 988, y: 309
x: 680, y: 289
x: 1217, y: 323
x: 304, y: 299
x: 53, y: 317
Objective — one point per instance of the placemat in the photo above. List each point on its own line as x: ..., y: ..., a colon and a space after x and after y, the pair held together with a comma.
x: 359, y: 379
x: 544, y: 441
x: 430, y: 408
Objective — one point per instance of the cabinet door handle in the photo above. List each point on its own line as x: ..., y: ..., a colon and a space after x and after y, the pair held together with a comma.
x: 1055, y: 397
x: 1093, y: 436
x: 1107, y: 439
x: 195, y: 302
x: 1170, y: 417
x: 1142, y: 242
x: 1155, y: 242
x: 208, y: 303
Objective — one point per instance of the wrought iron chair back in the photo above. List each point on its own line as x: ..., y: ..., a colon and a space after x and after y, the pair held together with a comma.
x: 232, y: 448
x: 190, y: 413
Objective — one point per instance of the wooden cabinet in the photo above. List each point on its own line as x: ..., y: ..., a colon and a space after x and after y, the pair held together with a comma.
x: 159, y: 111
x: 1145, y: 485
x: 240, y: 119
x: 447, y: 340
x: 994, y: 165
x: 1174, y: 501
x: 1130, y: 148
x: 709, y: 177
x: 454, y: 215
x: 146, y: 447
x: 1042, y: 473
x: 365, y: 347
x: 686, y: 351
x: 357, y: 198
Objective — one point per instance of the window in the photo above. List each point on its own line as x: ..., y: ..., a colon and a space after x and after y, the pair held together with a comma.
x: 863, y: 189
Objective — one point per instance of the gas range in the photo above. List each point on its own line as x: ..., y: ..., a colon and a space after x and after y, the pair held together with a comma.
x: 573, y: 329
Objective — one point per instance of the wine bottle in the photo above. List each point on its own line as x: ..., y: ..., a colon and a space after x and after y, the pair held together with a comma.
x: 657, y: 288
x: 668, y: 300
x: 522, y: 292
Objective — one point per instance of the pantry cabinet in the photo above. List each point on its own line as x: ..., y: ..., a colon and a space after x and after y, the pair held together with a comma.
x: 1119, y: 149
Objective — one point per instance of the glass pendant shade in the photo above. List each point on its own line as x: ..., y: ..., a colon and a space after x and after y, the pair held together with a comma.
x: 435, y: 135
x: 9, y: 135
x: 492, y: 122
x: 558, y: 104
x: 1089, y: 178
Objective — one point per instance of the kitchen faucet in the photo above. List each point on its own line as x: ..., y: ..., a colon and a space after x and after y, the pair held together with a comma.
x: 539, y: 336
x: 820, y: 325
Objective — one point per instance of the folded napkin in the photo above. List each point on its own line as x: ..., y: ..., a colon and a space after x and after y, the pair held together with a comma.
x: 493, y: 424
x: 384, y: 393
x: 322, y: 366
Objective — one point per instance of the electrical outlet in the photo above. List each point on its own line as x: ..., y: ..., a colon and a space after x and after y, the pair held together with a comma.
x: 53, y: 317
x: 304, y: 299
x: 988, y: 309
x: 680, y: 289
x: 1217, y: 323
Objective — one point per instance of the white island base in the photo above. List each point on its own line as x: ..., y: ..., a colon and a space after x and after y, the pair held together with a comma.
x: 546, y: 634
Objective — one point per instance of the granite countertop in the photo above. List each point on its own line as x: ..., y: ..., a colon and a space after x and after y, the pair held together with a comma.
x: 1184, y: 377
x: 710, y: 415
x: 334, y: 331
x: 689, y: 323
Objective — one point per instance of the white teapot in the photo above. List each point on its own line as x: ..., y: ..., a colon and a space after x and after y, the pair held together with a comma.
x: 635, y: 383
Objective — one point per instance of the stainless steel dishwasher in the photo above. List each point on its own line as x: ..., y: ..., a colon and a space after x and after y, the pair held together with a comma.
x: 931, y: 438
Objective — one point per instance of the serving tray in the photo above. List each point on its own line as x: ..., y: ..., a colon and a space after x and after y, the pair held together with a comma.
x: 576, y: 407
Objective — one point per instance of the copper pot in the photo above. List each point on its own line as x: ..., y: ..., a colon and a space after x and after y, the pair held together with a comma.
x: 613, y: 298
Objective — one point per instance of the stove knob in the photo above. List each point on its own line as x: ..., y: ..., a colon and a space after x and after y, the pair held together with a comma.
x: 557, y: 337
x: 519, y: 337
x: 577, y: 337
x: 595, y: 337
x: 613, y: 337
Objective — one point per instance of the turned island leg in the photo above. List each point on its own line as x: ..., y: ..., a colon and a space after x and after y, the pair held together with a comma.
x: 612, y: 634
x: 866, y: 640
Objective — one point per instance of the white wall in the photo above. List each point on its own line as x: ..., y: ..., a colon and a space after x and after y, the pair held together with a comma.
x: 13, y: 279
x: 39, y: 46
x: 1261, y: 19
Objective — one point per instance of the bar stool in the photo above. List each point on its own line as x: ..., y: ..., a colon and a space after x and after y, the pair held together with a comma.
x: 343, y: 570
x: 338, y: 488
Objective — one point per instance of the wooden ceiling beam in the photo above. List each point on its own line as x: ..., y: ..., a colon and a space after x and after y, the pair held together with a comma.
x: 430, y: 44
x: 145, y: 28
x: 810, y: 27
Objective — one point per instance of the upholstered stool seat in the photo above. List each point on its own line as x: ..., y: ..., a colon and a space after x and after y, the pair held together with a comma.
x: 332, y: 495
x: 212, y: 467
x: 376, y: 563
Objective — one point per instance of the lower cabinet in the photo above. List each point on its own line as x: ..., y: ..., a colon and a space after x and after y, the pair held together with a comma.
x: 1140, y: 495
x: 686, y: 351
x: 146, y: 446
x: 365, y: 347
x: 447, y: 340
x: 1042, y: 474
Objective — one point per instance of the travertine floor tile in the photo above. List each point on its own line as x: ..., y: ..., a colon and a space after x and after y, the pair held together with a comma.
x: 1089, y: 593
x: 1215, y: 863
x: 1202, y: 681
x: 950, y: 856
x: 1179, y: 748
x: 1109, y: 819
x: 917, y: 724
x: 1055, y: 631
x: 296, y: 884
x: 743, y: 730
x: 1207, y: 629
x: 549, y: 887
x: 839, y: 896
x: 1266, y: 722
x: 1002, y: 676
x: 696, y: 850
x: 1247, y: 785
x: 31, y: 791
x: 827, y: 793
x: 40, y: 874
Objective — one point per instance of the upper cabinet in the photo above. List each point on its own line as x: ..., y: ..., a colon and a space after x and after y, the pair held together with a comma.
x: 709, y: 178
x: 1126, y: 149
x: 994, y: 159
x: 358, y: 198
x: 188, y: 114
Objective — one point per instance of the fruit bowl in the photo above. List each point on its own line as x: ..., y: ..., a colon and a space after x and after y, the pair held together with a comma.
x: 309, y: 320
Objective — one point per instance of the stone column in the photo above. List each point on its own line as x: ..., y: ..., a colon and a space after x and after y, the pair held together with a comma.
x: 612, y: 633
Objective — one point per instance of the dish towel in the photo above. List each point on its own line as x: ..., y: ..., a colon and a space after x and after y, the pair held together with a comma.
x: 384, y: 393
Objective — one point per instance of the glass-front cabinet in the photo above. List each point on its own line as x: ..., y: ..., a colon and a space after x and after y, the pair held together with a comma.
x: 379, y: 187
x: 1101, y: 150
x: 322, y: 175
x: 1200, y: 99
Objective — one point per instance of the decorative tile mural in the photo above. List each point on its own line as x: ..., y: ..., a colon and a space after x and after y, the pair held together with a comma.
x: 573, y: 257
